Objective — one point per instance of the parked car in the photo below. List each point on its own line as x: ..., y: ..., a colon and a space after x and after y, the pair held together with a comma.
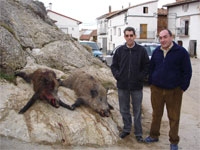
x: 95, y: 48
x: 108, y: 58
x: 150, y: 47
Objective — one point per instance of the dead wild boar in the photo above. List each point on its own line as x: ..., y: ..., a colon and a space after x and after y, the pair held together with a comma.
x: 45, y: 86
x: 90, y: 92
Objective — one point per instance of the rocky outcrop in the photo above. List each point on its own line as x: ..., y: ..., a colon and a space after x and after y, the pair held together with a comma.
x: 28, y: 41
x: 27, y: 30
x: 43, y: 123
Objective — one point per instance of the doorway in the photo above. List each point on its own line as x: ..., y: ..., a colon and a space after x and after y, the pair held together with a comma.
x: 143, y: 31
x: 193, y: 48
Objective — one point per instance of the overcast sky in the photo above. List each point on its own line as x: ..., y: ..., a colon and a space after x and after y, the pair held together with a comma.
x: 87, y: 11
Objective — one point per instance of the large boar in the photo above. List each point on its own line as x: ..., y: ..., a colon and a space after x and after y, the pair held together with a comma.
x: 45, y: 86
x: 89, y: 91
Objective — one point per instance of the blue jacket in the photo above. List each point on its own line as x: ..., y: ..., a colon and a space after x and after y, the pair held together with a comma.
x: 130, y: 66
x: 172, y: 71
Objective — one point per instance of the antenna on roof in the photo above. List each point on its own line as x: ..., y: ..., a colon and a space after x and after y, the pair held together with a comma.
x: 110, y: 9
x: 50, y: 6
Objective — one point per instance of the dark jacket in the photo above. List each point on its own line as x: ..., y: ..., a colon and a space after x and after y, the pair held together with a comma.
x: 130, y: 67
x: 172, y: 71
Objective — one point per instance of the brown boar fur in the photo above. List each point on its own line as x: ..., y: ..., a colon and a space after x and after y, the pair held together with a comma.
x: 89, y: 92
x: 45, y: 86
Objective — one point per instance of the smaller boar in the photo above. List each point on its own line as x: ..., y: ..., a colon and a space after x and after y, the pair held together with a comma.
x: 89, y: 91
x: 45, y: 86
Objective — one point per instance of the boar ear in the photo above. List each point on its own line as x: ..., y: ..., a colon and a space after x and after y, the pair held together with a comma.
x: 110, y: 106
x: 93, y: 93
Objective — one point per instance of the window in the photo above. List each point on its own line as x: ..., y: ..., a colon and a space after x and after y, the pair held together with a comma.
x: 185, y: 7
x: 113, y: 46
x: 115, y: 32
x: 110, y: 34
x: 145, y: 10
x: 180, y: 43
x: 65, y: 30
x: 143, y: 31
x: 186, y: 27
x: 119, y: 31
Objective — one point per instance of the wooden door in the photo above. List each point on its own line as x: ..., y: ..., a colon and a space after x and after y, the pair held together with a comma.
x: 143, y: 31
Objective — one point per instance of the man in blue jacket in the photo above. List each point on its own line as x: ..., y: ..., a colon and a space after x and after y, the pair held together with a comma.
x: 170, y: 74
x: 129, y: 67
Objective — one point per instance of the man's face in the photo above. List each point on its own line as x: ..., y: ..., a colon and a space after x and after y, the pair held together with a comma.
x: 165, y: 39
x: 129, y: 37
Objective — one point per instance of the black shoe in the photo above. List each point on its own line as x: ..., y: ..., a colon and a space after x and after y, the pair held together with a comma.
x: 139, y: 139
x: 123, y: 134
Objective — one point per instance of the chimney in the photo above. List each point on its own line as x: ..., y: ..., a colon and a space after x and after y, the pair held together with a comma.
x: 129, y: 4
x: 50, y: 6
x: 110, y: 9
x: 122, y: 7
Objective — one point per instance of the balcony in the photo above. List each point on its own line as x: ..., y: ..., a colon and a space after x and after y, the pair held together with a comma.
x: 146, y: 35
x: 102, y: 31
x: 182, y: 31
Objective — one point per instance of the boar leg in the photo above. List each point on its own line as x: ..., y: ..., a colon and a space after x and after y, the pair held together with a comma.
x: 30, y: 103
x: 24, y: 76
x: 66, y: 105
x: 78, y: 103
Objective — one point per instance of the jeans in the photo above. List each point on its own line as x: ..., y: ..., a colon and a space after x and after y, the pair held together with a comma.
x: 124, y: 105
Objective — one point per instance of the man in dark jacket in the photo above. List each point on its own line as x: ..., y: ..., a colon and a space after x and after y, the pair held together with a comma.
x: 170, y: 74
x: 130, y: 67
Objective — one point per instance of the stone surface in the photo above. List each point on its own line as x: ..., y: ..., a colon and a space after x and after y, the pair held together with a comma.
x: 26, y: 30
x: 43, y: 123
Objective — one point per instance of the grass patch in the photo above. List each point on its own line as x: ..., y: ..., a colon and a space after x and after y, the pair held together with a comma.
x: 8, y: 77
x: 108, y: 85
x: 9, y: 30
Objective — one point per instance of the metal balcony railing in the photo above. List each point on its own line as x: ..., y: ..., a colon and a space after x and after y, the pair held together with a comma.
x: 182, y: 31
x: 146, y: 34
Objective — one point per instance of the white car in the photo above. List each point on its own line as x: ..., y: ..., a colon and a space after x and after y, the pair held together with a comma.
x: 150, y: 47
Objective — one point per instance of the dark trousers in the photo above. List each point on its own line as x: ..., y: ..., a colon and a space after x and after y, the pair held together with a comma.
x: 173, y: 99
x: 124, y: 105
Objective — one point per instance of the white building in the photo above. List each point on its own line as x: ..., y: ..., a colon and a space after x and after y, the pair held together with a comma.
x: 66, y: 24
x: 102, y: 29
x: 184, y: 22
x: 142, y: 17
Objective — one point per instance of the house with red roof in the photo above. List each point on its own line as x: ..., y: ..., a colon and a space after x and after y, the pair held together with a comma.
x: 88, y: 35
x: 67, y: 24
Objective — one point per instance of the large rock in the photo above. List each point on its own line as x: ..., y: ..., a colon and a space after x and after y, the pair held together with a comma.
x: 64, y: 55
x: 10, y: 49
x: 26, y: 20
x: 28, y: 41
x: 43, y: 123
x: 26, y: 29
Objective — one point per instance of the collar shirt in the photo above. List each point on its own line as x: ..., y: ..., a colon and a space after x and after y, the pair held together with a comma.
x: 165, y: 51
x: 132, y: 46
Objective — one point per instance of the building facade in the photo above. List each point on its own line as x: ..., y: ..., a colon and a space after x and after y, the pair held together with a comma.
x: 184, y: 22
x: 143, y: 17
x: 68, y: 25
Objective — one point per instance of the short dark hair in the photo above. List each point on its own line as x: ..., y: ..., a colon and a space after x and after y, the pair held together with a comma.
x: 129, y: 29
x: 170, y: 32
